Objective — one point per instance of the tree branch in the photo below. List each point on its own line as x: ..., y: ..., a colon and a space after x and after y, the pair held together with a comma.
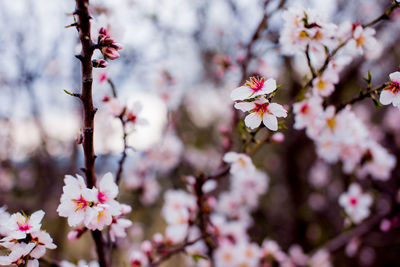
x: 89, y: 110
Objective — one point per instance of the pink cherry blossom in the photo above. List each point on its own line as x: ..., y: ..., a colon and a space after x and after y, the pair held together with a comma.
x: 262, y: 110
x: 253, y: 88
x: 356, y: 203
x: 391, y: 93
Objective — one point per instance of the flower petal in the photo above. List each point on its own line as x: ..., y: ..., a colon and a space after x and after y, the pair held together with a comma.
x: 270, y: 122
x: 395, y: 76
x: 253, y: 120
x: 269, y: 86
x: 277, y: 110
x: 244, y: 106
x: 386, y: 97
x: 241, y: 93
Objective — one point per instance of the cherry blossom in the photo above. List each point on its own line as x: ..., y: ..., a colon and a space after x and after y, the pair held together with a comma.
x: 390, y: 94
x: 240, y: 163
x: 20, y: 225
x: 253, y: 88
x: 262, y: 110
x: 355, y: 203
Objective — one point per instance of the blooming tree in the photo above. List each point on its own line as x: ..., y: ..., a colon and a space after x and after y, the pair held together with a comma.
x: 264, y: 147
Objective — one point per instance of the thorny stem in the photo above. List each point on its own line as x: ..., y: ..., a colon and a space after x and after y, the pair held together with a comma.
x: 89, y: 110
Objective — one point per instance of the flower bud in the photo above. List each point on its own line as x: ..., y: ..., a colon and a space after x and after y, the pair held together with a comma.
x: 158, y: 238
x: 99, y: 63
x: 147, y: 247
x: 278, y: 137
x: 110, y: 52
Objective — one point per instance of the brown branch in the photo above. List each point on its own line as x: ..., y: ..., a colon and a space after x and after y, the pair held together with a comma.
x: 124, y: 137
x: 360, y: 230
x: 361, y: 96
x: 89, y: 110
x: 168, y: 254
x: 384, y: 16
x: 124, y: 154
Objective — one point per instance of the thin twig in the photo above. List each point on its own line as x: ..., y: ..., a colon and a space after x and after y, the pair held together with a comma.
x: 361, y: 96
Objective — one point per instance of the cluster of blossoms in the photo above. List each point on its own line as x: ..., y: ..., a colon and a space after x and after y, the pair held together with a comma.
x: 94, y: 207
x: 108, y: 47
x: 343, y: 136
x: 160, y: 159
x: 305, y: 29
x: 252, y: 98
x: 306, y: 33
x: 338, y: 135
x: 232, y: 218
x: 355, y: 203
x: 23, y: 238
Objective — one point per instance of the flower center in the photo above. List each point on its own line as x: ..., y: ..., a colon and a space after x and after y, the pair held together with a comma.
x: 24, y: 227
x: 260, y: 108
x: 81, y: 203
x: 305, y: 109
x: 321, y: 85
x: 303, y: 34
x: 101, y: 197
x: 353, y: 201
x: 331, y: 123
x: 394, y: 87
x: 254, y: 84
x: 360, y: 41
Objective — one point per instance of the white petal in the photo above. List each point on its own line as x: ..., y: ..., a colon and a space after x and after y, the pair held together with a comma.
x: 354, y: 189
x: 241, y: 93
x: 253, y: 120
x: 395, y: 76
x: 107, y: 185
x: 277, y: 110
x: 33, y: 263
x: 270, y: 122
x: 386, y: 97
x: 36, y: 217
x: 230, y: 157
x: 38, y: 252
x: 244, y: 106
x: 269, y: 86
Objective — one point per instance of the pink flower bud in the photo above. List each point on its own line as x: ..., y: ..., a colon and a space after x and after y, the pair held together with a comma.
x: 102, y: 31
x: 158, y: 238
x: 106, y: 98
x: 125, y: 209
x: 385, y: 225
x: 99, y: 63
x: 103, y: 77
x: 147, y: 247
x: 110, y: 52
x: 278, y: 137
x: 131, y: 117
x: 76, y: 234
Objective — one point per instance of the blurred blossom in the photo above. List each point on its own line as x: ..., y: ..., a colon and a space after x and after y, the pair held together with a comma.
x: 320, y: 174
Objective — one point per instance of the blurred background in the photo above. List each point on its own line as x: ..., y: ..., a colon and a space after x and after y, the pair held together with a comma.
x: 180, y: 61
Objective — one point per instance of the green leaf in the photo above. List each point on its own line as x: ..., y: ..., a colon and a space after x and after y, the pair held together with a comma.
x: 197, y: 257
